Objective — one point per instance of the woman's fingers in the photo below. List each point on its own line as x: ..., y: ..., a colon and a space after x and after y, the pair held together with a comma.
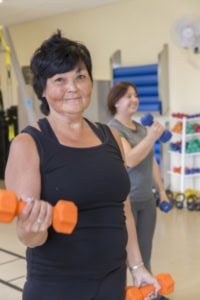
x: 36, y: 215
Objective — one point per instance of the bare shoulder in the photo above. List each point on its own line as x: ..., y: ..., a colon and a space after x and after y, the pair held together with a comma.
x: 115, y: 133
x: 22, y: 168
x: 23, y: 151
x: 21, y: 143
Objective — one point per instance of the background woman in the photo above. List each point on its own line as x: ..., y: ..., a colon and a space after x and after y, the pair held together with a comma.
x: 141, y: 163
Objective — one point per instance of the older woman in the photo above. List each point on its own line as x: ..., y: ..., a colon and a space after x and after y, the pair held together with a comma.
x: 65, y: 156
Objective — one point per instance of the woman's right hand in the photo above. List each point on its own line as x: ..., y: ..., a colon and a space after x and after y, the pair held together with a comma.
x: 33, y: 222
x: 155, y: 130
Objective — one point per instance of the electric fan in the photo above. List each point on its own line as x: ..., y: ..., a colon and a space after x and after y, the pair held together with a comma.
x: 186, y: 33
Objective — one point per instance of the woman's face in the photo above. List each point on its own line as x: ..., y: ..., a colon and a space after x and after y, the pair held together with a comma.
x: 128, y: 104
x: 70, y: 92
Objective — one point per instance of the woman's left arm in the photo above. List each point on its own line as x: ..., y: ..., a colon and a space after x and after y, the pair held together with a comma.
x: 159, y: 182
x: 135, y: 264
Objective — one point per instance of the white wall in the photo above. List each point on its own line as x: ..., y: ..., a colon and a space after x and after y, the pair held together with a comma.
x: 138, y: 27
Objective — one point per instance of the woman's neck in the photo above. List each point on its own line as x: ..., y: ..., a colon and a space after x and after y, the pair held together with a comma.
x: 70, y: 122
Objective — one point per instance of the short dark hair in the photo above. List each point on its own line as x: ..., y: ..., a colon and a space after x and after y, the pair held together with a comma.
x: 57, y: 55
x: 117, y: 92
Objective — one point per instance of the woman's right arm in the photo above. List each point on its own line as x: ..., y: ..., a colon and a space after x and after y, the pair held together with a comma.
x: 135, y: 155
x: 22, y: 176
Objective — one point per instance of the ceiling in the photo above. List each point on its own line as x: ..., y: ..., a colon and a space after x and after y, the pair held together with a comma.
x: 19, y: 11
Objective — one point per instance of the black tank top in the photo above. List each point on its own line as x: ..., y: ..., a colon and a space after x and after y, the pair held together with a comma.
x: 96, y: 180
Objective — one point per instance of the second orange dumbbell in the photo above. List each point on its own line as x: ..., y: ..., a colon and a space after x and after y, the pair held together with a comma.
x: 65, y: 213
x: 164, y: 279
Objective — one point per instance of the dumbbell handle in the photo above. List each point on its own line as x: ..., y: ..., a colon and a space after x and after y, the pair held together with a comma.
x: 64, y: 215
x: 147, y: 120
x: 164, y: 279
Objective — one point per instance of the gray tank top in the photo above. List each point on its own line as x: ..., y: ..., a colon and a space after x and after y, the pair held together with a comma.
x: 140, y: 176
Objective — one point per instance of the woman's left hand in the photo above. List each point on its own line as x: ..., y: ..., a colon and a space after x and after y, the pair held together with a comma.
x: 142, y: 277
x: 163, y: 197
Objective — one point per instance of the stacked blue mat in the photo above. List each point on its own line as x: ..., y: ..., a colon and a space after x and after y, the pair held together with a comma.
x: 146, y: 80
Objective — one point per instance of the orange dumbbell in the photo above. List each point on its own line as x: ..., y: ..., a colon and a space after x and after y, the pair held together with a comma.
x: 65, y: 213
x: 164, y: 279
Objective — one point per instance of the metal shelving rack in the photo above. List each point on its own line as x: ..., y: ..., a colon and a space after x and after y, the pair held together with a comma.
x: 185, y: 180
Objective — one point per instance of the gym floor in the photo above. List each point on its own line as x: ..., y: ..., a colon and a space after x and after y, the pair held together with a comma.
x: 175, y: 251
